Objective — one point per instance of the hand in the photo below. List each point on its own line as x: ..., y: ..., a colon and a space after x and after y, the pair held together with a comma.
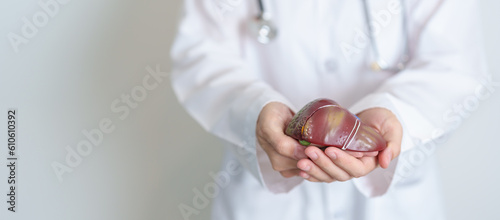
x: 389, y: 127
x: 282, y: 150
x: 337, y: 165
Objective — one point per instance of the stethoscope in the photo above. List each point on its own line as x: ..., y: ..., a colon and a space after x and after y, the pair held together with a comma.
x: 266, y: 32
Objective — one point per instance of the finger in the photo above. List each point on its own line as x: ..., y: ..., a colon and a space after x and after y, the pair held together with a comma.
x: 308, y: 177
x: 312, y: 170
x: 362, y: 154
x: 287, y: 146
x: 325, y: 164
x: 386, y: 156
x: 280, y: 162
x: 393, y: 138
x: 290, y: 173
x: 370, y: 154
x: 353, y: 166
x: 355, y: 154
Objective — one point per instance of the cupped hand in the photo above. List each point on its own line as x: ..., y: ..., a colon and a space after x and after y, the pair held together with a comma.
x: 334, y: 164
x: 282, y: 150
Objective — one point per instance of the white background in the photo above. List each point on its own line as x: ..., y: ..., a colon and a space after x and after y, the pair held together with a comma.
x: 91, y: 53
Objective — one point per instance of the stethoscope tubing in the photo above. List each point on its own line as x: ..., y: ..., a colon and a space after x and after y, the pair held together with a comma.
x: 379, y: 64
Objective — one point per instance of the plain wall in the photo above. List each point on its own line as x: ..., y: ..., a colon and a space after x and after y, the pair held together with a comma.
x: 91, y: 54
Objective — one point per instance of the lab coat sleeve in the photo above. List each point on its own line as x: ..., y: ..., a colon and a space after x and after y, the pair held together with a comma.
x: 211, y: 80
x: 440, y: 83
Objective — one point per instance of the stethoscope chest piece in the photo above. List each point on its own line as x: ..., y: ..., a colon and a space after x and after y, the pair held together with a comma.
x: 264, y: 29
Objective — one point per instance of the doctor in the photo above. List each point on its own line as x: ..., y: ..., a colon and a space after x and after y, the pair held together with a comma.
x: 399, y: 64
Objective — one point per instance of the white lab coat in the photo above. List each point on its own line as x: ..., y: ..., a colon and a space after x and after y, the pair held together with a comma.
x: 223, y: 77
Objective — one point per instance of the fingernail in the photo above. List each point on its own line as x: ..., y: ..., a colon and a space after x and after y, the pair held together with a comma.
x: 389, y: 156
x: 299, y: 152
x: 332, y: 155
x: 313, y: 155
x: 304, y: 175
x: 306, y: 168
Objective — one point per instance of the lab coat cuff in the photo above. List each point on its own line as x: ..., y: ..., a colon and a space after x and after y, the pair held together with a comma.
x: 268, y: 177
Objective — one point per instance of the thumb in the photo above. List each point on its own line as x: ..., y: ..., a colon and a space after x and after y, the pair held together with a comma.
x: 287, y: 146
x: 385, y: 157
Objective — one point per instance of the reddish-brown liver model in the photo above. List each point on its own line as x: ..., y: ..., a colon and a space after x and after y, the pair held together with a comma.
x: 324, y: 123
